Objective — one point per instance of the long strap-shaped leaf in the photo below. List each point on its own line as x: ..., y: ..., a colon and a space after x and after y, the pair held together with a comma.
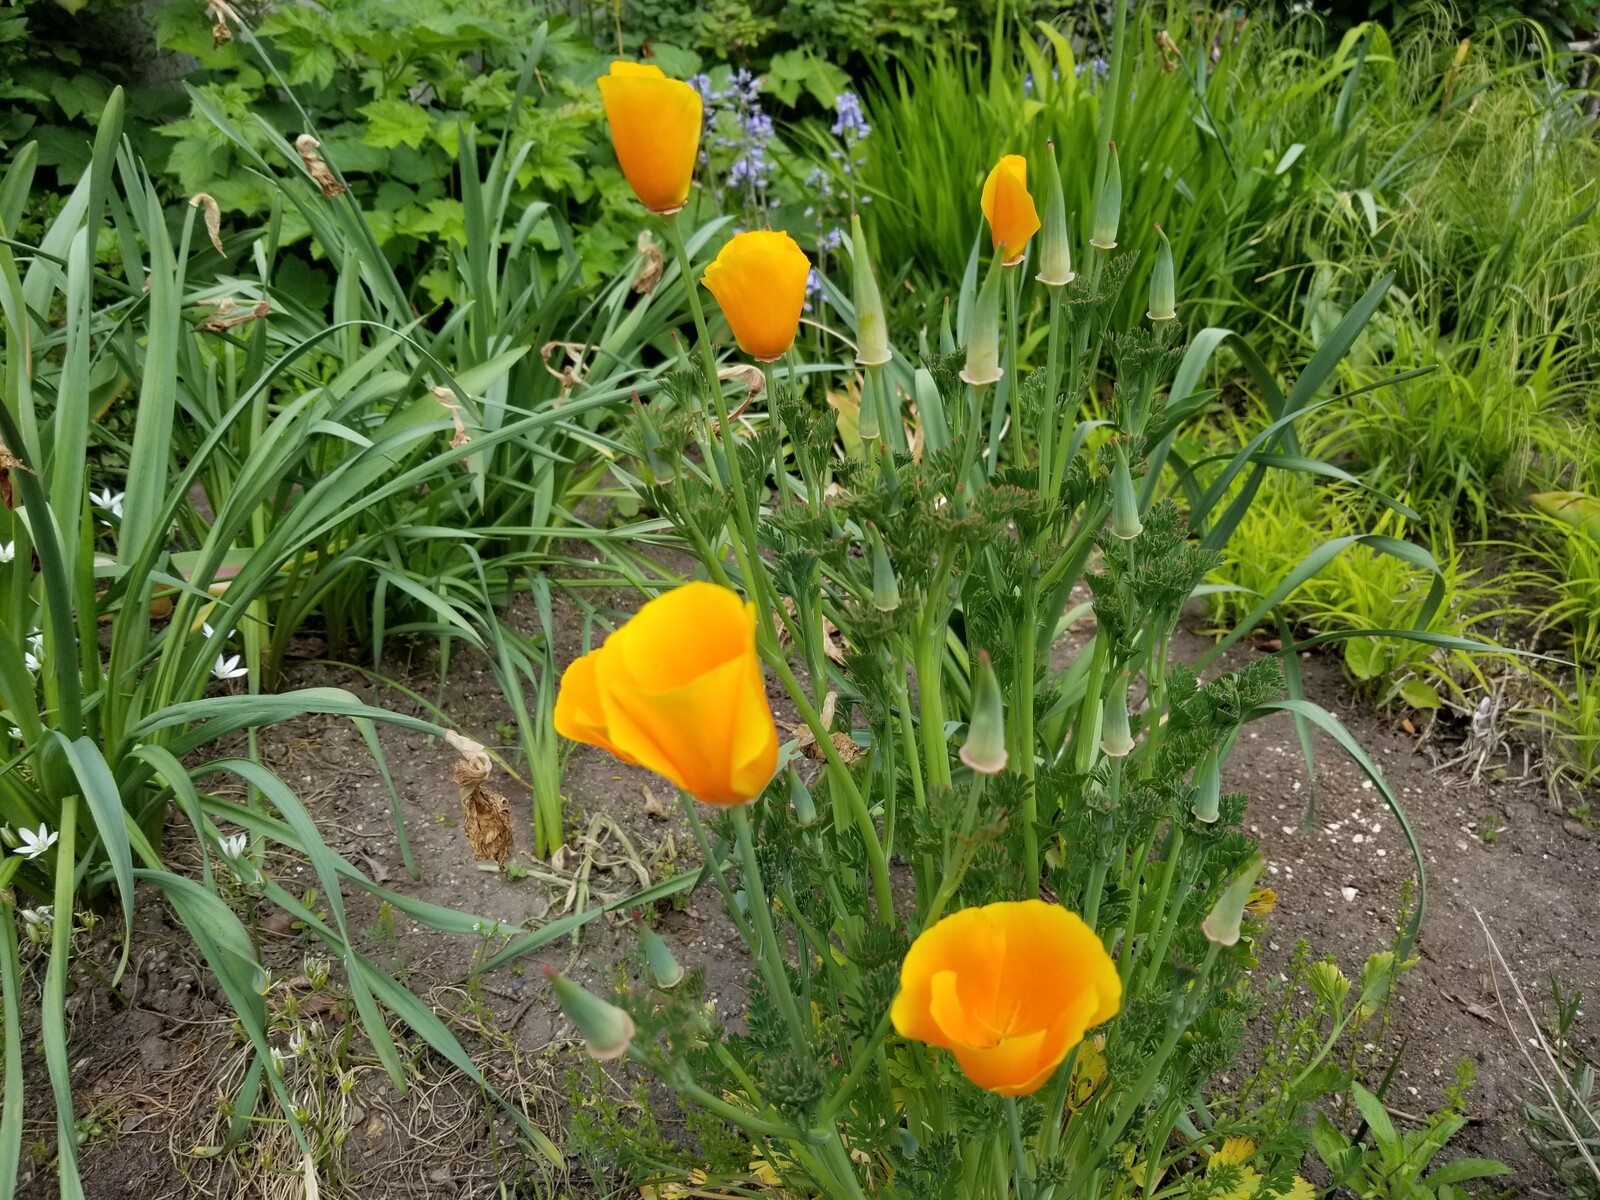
x: 1331, y: 725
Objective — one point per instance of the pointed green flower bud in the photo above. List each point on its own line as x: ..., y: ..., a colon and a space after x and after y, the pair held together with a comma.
x: 1055, y: 246
x: 1207, y: 802
x: 1108, y: 206
x: 805, y: 809
x: 1125, y: 521
x: 983, y: 337
x: 872, y: 329
x: 985, y: 748
x: 1329, y: 983
x: 885, y: 587
x: 667, y: 971
x: 606, y: 1029
x: 947, y: 333
x: 1163, y: 284
x: 1222, y: 926
x: 657, y: 464
x: 1116, y: 740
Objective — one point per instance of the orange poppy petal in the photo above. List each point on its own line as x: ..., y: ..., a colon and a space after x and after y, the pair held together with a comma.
x: 1013, y: 218
x: 580, y: 714
x: 759, y: 280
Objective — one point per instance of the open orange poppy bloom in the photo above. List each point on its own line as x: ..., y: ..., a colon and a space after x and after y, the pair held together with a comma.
x: 655, y: 127
x: 1009, y: 208
x: 759, y: 279
x: 678, y: 690
x: 1009, y: 989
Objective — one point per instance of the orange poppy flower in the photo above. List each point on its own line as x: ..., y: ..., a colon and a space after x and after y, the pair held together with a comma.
x: 655, y: 127
x: 678, y: 690
x: 1009, y: 208
x: 759, y: 280
x: 1009, y: 989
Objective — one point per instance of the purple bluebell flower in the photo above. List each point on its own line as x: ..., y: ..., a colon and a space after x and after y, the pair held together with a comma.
x: 851, y: 124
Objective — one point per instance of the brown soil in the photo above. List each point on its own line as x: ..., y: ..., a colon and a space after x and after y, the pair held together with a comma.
x: 150, y: 1071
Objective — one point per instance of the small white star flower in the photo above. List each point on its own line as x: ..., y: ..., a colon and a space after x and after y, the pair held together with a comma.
x: 234, y: 845
x: 298, y: 1044
x: 42, y: 915
x: 33, y: 656
x: 35, y: 844
x: 16, y: 734
x: 8, y: 551
x: 229, y: 666
x: 108, y: 500
x: 278, y: 1061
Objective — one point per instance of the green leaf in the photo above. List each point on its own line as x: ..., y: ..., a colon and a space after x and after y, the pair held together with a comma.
x: 1465, y: 1168
x: 1377, y: 1119
x: 1418, y: 694
x: 795, y: 70
x: 393, y: 123
x: 1330, y: 724
x: 1578, y: 509
x: 1332, y: 1147
x: 1365, y: 657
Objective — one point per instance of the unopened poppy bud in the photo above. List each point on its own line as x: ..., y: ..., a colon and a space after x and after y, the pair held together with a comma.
x: 664, y: 968
x: 1108, y: 206
x: 1222, y: 925
x: 1125, y: 522
x: 983, y: 336
x: 1055, y: 245
x: 885, y: 587
x: 1207, y: 804
x: 1116, y: 741
x: 947, y: 333
x: 660, y: 467
x: 872, y: 329
x: 985, y: 748
x: 805, y: 809
x: 607, y: 1030
x: 1163, y: 285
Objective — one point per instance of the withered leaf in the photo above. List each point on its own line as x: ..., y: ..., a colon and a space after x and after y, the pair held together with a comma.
x: 309, y: 150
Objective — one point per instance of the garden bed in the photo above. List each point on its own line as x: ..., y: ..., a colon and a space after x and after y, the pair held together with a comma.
x: 151, y: 1074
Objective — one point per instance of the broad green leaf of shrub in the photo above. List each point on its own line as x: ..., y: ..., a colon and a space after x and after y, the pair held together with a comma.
x: 795, y: 71
x: 393, y: 123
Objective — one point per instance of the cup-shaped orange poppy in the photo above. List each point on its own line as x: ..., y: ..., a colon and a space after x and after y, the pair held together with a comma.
x: 678, y: 690
x: 759, y: 280
x: 655, y: 127
x: 1009, y: 208
x: 1009, y: 989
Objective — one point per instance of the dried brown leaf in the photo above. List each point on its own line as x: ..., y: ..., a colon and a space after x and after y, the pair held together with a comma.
x: 213, y: 214
x: 649, y: 275
x: 652, y: 806
x: 486, y: 814
x: 309, y: 150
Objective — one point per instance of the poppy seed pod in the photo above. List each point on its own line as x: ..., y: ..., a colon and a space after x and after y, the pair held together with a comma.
x: 1055, y: 244
x: 1207, y: 804
x: 1116, y: 740
x: 1227, y: 915
x: 607, y: 1030
x: 985, y: 748
x: 664, y: 968
x: 1009, y: 208
x: 1163, y: 284
x: 983, y: 336
x: 655, y: 126
x: 1009, y: 989
x: 872, y: 328
x: 1108, y: 206
x: 1125, y: 522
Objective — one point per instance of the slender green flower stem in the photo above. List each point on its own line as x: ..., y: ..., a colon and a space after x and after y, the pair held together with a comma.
x: 731, y: 1113
x: 1056, y: 1102
x: 762, y: 940
x: 864, y: 1055
x: 54, y: 1005
x: 929, y: 657
x: 1013, y: 377
x: 1022, y: 722
x: 841, y: 780
x: 761, y: 912
x: 1165, y: 922
x: 1023, y: 1179
x: 1049, y: 422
